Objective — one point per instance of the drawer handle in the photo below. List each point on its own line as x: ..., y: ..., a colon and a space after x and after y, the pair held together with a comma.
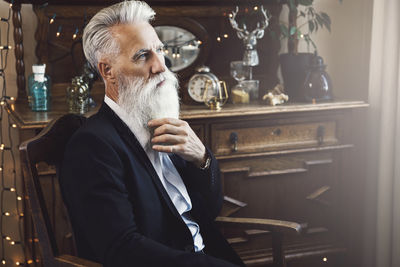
x: 276, y: 132
x: 320, y: 134
x: 234, y: 140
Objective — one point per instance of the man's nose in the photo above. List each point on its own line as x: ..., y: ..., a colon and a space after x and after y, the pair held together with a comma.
x: 157, y: 64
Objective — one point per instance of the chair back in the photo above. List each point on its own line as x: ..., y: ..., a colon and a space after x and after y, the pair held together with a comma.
x: 47, y: 220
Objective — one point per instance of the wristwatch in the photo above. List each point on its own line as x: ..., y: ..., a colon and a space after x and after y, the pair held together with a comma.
x: 206, y: 164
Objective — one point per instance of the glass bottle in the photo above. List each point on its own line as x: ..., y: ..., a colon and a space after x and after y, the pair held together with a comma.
x: 39, y: 85
x: 317, y: 85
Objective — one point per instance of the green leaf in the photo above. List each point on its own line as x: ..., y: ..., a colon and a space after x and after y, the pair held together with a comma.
x: 326, y: 20
x: 311, y: 11
x: 325, y: 17
x: 306, y: 2
x: 284, y: 30
x: 293, y: 30
x: 319, y: 20
x: 311, y: 25
x: 316, y: 25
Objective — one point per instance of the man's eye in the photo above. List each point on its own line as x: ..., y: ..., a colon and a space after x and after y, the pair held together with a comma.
x: 142, y: 56
x: 160, y: 50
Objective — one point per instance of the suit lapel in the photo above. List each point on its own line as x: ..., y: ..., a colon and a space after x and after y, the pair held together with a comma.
x: 127, y: 135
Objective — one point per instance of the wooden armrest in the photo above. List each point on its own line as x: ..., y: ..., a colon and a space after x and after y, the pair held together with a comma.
x: 76, y: 261
x: 267, y: 224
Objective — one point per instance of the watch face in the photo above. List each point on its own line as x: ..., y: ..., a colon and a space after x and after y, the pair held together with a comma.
x: 197, y: 86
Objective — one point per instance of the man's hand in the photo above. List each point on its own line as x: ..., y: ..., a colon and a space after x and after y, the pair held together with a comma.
x: 175, y: 136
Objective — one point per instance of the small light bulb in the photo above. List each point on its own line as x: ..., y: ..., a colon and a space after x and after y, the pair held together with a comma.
x: 256, y: 8
x: 3, y: 262
x: 2, y: 103
x: 219, y: 39
x: 6, y: 213
x: 12, y: 189
x: 178, y: 55
x: 75, y: 33
x: 166, y: 51
x: 30, y: 261
x: 226, y: 36
x: 17, y: 263
x: 1, y: 169
x: 52, y: 19
x: 12, y: 243
x: 12, y: 98
x: 19, y: 198
x: 301, y: 35
x: 21, y: 214
x: 230, y: 15
x: 325, y: 259
x: 59, y: 31
x: 8, y: 238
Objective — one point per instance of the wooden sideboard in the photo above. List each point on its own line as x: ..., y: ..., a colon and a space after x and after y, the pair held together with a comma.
x: 284, y: 162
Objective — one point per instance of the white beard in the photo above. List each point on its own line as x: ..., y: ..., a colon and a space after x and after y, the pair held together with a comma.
x: 144, y: 101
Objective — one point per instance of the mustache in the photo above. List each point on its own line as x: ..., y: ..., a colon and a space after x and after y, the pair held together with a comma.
x: 164, y: 76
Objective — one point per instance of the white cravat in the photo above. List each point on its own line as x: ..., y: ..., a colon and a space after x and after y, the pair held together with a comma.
x: 166, y: 171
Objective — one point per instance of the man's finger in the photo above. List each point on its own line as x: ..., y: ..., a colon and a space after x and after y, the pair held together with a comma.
x: 165, y: 149
x: 169, y: 139
x: 169, y: 129
x: 159, y: 122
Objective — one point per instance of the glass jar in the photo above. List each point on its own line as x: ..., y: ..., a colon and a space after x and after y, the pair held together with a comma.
x: 317, y: 85
x: 39, y: 85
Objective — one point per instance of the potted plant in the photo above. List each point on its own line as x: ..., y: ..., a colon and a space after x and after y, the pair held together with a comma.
x: 302, y: 21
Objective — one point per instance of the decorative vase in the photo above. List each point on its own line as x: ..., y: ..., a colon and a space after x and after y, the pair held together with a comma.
x: 294, y: 68
x: 317, y: 85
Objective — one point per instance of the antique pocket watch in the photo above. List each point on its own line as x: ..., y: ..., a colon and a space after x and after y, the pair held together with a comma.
x: 199, y: 81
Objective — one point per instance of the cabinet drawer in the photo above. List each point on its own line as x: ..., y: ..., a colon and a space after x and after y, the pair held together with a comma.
x: 259, y: 136
x: 299, y: 187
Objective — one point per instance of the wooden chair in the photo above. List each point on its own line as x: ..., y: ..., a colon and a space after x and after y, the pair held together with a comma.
x: 46, y: 209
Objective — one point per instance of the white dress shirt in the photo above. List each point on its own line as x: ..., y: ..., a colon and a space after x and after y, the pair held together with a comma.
x: 169, y: 176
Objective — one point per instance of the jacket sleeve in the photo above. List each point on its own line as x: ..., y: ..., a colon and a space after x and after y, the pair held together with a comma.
x: 93, y: 187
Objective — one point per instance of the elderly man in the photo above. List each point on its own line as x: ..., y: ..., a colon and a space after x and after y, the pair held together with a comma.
x: 140, y: 187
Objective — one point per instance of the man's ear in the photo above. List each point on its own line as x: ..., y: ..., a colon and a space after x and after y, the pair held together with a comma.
x: 106, y: 72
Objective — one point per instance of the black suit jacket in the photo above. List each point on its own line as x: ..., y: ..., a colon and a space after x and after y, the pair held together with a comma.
x: 120, y: 211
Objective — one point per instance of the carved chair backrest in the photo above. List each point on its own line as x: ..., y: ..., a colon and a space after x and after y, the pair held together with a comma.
x: 40, y: 159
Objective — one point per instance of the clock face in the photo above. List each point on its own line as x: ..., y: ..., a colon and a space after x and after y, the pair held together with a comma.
x: 197, y: 86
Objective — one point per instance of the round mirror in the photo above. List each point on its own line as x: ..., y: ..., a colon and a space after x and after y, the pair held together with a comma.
x: 181, y: 47
x: 186, y: 44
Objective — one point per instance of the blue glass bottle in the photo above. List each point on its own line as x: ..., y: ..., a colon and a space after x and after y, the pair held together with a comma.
x: 39, y: 86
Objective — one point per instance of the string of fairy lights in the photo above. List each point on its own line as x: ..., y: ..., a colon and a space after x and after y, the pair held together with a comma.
x: 8, y: 173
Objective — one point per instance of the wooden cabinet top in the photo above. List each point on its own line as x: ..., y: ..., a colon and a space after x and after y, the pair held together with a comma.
x: 150, y: 2
x: 27, y: 119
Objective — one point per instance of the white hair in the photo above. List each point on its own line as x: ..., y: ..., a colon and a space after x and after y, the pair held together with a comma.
x: 146, y: 100
x: 97, y: 37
